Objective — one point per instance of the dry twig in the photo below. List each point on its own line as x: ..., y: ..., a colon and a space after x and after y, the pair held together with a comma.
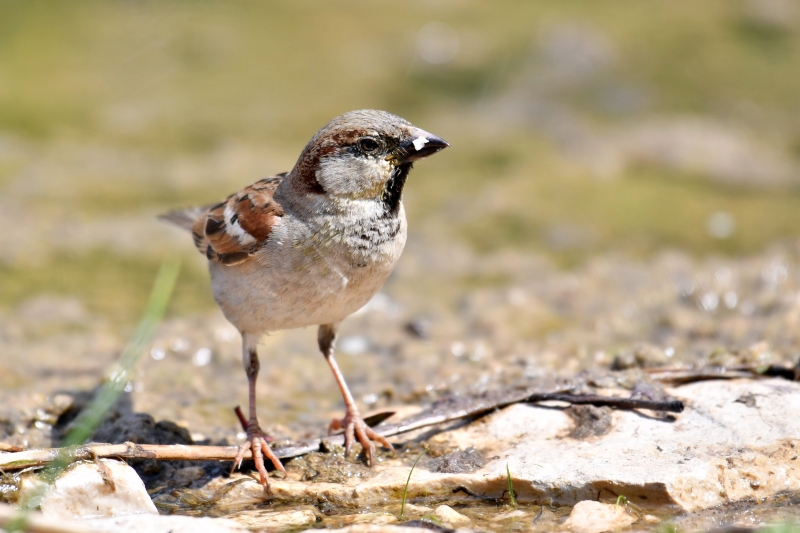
x: 443, y: 411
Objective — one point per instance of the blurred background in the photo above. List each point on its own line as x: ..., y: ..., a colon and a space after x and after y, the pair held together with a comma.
x: 577, y: 127
x: 606, y: 157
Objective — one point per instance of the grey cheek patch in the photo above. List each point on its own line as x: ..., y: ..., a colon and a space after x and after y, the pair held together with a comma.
x: 419, y: 143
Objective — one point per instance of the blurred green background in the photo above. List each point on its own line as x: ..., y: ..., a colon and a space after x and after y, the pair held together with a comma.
x: 577, y: 127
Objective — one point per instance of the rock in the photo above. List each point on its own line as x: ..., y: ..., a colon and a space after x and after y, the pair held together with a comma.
x: 275, y: 520
x: 718, y: 450
x: 595, y: 517
x: 86, y: 490
x: 450, y: 516
x: 163, y: 524
x: 589, y: 421
x: 735, y: 440
x: 135, y: 523
x: 456, y: 462
x: 36, y: 522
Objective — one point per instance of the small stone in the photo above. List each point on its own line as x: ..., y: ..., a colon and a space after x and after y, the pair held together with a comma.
x: 275, y: 520
x: 649, y: 356
x: 60, y: 403
x: 87, y: 490
x: 594, y: 517
x: 450, y: 516
x: 419, y: 327
x: 623, y: 361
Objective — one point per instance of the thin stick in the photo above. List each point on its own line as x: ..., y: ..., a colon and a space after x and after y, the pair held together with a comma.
x: 680, y: 375
x: 671, y: 406
x: 240, y: 416
x: 9, y: 448
x: 441, y: 412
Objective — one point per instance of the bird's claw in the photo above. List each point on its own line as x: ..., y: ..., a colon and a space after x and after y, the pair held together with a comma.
x: 257, y: 444
x: 355, y: 428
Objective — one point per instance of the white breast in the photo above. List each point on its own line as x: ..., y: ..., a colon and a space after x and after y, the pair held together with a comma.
x: 307, y: 274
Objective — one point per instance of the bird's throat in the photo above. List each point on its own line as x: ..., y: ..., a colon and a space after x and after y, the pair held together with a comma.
x: 393, y: 192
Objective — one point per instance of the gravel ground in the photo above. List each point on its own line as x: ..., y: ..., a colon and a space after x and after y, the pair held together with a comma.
x: 421, y: 338
x: 411, y: 344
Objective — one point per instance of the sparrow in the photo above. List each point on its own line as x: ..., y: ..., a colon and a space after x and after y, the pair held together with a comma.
x: 311, y: 246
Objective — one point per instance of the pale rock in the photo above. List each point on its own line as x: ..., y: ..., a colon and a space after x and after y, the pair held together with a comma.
x: 735, y: 440
x: 87, y: 490
x: 135, y: 523
x: 275, y: 520
x: 450, y: 516
x: 722, y: 448
x: 36, y: 522
x: 594, y: 517
x: 163, y: 524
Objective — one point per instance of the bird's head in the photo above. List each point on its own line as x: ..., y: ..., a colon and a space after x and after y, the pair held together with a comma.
x: 363, y: 155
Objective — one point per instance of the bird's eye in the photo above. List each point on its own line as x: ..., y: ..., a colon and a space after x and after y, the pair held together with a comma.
x: 368, y: 145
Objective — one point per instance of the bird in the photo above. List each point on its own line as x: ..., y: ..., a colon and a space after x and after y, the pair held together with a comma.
x: 311, y: 246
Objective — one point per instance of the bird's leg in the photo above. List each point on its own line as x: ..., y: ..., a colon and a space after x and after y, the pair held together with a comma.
x: 353, y: 423
x: 256, y: 439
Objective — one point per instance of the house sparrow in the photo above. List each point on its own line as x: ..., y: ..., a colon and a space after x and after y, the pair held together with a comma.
x: 312, y: 246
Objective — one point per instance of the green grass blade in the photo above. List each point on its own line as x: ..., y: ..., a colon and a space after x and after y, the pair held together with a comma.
x: 88, y: 421
x: 119, y: 376
x: 405, y: 489
x: 511, y: 494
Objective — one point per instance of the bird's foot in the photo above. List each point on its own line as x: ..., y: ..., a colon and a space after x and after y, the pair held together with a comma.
x: 355, y: 428
x: 257, y: 443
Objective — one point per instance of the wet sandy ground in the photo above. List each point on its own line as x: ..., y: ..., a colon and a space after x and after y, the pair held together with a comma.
x: 418, y: 340
x: 421, y: 337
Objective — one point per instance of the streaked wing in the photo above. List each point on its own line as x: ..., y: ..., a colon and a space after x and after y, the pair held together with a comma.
x: 232, y: 231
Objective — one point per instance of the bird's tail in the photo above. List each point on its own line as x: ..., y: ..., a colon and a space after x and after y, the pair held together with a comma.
x: 184, y: 218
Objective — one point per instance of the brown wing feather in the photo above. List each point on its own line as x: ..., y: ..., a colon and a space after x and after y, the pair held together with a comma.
x: 232, y: 231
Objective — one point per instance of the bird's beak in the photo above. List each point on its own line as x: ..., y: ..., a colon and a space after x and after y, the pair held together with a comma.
x: 420, y: 144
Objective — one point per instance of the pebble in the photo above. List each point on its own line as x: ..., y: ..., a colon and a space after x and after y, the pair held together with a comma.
x: 450, y: 516
x: 594, y: 517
